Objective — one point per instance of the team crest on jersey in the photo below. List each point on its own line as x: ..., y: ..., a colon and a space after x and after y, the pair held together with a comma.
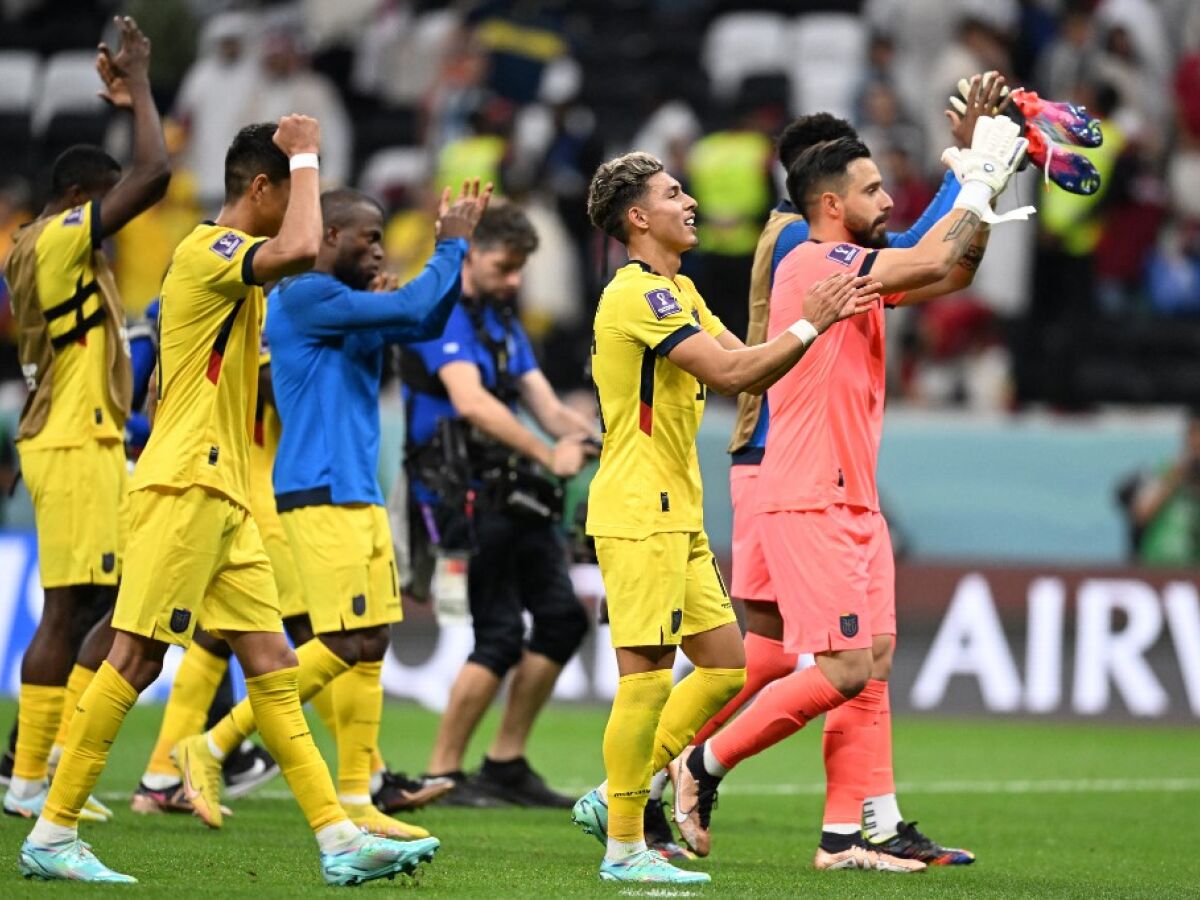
x: 849, y: 625
x: 226, y: 246
x: 662, y: 303
x: 844, y: 254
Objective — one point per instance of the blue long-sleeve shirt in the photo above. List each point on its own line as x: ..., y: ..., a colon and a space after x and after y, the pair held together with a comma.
x: 796, y: 233
x: 327, y: 349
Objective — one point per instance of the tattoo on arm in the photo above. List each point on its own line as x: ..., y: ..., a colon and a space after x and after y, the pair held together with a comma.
x: 964, y: 229
x: 971, y: 257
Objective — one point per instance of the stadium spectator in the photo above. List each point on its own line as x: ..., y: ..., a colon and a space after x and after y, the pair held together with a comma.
x: 208, y: 103
x: 1163, y: 506
x: 287, y: 84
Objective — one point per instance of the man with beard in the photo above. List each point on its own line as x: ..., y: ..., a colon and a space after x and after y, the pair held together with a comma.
x: 825, y: 543
x: 468, y: 384
x: 328, y: 335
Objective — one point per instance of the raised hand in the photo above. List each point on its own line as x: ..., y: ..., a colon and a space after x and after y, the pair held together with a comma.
x: 298, y: 134
x: 384, y: 282
x: 838, y: 297
x: 458, y: 219
x: 982, y: 95
x: 128, y: 68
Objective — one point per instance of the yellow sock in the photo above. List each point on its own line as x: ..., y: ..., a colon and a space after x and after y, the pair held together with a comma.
x: 101, y: 710
x: 38, y: 715
x: 628, y: 746
x: 358, y: 700
x: 693, y: 702
x: 281, y: 723
x: 318, y: 667
x: 377, y: 762
x: 322, y: 702
x: 77, y: 683
x: 196, y: 682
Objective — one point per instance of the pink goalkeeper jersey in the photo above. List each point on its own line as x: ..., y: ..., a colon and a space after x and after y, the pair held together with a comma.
x: 827, y: 412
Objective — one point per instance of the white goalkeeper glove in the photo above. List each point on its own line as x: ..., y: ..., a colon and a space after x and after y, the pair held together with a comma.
x: 984, y: 168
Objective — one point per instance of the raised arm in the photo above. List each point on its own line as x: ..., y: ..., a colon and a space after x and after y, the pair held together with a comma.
x: 127, y: 86
x: 294, y: 249
x: 754, y: 369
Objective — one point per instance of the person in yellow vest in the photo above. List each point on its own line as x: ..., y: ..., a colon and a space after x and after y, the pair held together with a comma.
x: 75, y: 360
x: 728, y: 172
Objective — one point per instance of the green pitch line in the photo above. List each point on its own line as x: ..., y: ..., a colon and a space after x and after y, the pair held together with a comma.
x: 1052, y: 810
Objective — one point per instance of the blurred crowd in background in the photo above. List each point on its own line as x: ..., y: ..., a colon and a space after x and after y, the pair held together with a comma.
x: 1099, y: 301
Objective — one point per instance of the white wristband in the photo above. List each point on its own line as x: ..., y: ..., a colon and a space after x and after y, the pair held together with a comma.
x: 304, y: 161
x: 975, y: 196
x: 804, y: 330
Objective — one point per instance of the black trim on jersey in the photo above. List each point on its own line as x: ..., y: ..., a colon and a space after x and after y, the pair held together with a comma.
x: 97, y: 234
x: 248, y: 264
x: 82, y: 327
x: 217, y: 357
x: 318, y: 496
x: 644, y: 266
x: 74, y: 303
x: 868, y: 263
x: 675, y: 338
x: 646, y: 392
x: 747, y: 456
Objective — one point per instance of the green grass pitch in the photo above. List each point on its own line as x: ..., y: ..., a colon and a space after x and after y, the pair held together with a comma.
x: 1052, y: 810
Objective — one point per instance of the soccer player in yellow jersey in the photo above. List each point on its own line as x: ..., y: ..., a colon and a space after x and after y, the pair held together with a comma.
x: 75, y: 359
x: 194, y: 549
x: 656, y: 351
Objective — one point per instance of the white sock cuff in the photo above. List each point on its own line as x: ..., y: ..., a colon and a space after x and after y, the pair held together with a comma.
x: 712, y: 765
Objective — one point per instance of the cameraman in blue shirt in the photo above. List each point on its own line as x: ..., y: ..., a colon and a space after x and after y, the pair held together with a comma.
x: 483, y: 483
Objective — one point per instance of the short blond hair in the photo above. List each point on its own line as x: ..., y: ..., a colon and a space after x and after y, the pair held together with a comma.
x: 617, y: 185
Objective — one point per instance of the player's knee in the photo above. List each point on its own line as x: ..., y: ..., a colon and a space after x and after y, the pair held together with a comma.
x: 373, y: 644
x: 498, y: 649
x: 345, y: 646
x: 138, y: 660
x: 558, y: 636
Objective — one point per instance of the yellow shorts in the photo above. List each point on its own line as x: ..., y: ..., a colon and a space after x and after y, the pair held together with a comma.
x: 287, y: 576
x: 346, y: 563
x: 194, y: 555
x: 80, y: 504
x: 662, y: 589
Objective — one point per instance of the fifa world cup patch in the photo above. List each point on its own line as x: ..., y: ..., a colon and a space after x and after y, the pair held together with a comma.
x: 849, y: 624
x: 844, y: 254
x: 662, y: 303
x: 226, y: 246
x: 74, y: 217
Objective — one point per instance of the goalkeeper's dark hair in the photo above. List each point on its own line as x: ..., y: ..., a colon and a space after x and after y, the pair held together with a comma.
x: 253, y: 153
x: 84, y: 166
x: 339, y: 206
x: 805, y: 131
x: 822, y: 167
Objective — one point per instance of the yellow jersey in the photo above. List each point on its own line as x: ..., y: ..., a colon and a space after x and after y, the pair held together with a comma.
x: 68, y: 292
x: 650, y: 409
x: 210, y: 323
x: 263, y: 447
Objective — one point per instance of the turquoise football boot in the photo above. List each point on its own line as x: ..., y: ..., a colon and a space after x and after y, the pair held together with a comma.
x: 649, y: 866
x: 591, y: 814
x: 374, y: 857
x: 73, y: 861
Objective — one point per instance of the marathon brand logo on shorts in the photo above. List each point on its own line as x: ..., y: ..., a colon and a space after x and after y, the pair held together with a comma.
x: 179, y: 620
x: 226, y: 246
x: 676, y: 620
x: 849, y: 625
x: 108, y: 562
x: 358, y: 603
x: 662, y: 303
x: 844, y: 254
x: 74, y: 217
